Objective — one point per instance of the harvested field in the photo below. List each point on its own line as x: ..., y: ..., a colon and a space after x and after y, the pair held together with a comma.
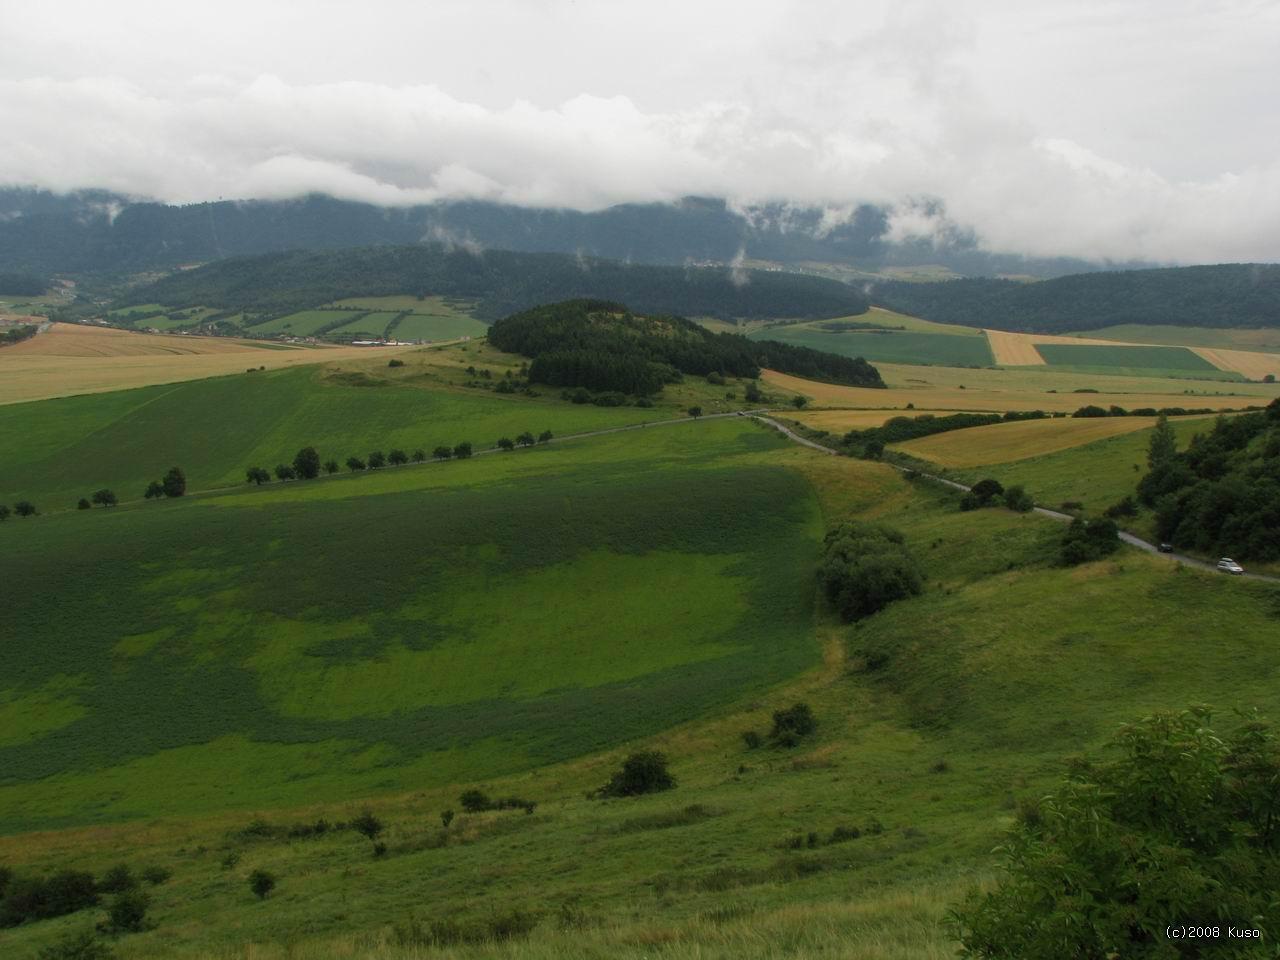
x: 70, y: 359
x: 1013, y: 349
x: 1006, y: 442
x: 1255, y: 366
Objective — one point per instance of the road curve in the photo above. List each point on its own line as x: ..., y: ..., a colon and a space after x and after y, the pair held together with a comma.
x: 1128, y: 538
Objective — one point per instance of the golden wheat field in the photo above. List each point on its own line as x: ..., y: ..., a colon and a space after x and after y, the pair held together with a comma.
x: 1255, y: 366
x: 70, y: 359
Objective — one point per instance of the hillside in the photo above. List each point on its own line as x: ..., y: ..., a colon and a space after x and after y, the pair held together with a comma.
x: 1238, y: 295
x: 501, y: 281
x: 604, y: 346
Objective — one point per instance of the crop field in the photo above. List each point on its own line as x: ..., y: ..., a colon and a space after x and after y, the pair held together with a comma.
x: 71, y: 360
x: 1004, y: 442
x: 1025, y: 388
x: 981, y: 689
x: 304, y: 323
x: 1266, y: 340
x: 429, y: 306
x: 842, y: 421
x: 588, y: 604
x: 419, y: 326
x: 57, y: 451
x: 1249, y: 364
x: 1095, y: 474
x: 373, y: 323
x: 891, y: 346
x: 1125, y: 357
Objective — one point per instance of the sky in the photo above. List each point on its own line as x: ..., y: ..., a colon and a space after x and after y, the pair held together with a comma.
x: 1124, y: 129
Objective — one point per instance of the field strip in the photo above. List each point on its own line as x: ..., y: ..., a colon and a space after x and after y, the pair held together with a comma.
x: 1007, y: 442
x: 1013, y: 349
x: 1255, y: 366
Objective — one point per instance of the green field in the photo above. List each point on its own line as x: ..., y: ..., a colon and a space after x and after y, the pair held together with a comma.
x: 589, y: 603
x: 53, y: 452
x: 889, y: 346
x: 1162, y: 359
x: 422, y: 327
x: 935, y: 717
x: 1264, y: 340
x: 304, y: 323
x: 374, y: 324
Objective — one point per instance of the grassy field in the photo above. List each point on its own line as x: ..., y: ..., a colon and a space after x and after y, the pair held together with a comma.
x: 424, y: 327
x: 1004, y: 442
x: 567, y: 600
x: 1096, y: 474
x: 892, y: 346
x: 1127, y: 358
x: 1266, y: 340
x: 428, y: 306
x: 304, y: 323
x: 979, y: 689
x: 71, y: 359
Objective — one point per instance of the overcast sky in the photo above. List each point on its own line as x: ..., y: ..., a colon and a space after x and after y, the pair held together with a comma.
x: 1118, y: 129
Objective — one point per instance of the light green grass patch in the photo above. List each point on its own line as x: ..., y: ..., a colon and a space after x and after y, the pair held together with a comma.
x: 30, y: 715
x: 1124, y: 358
x: 424, y: 327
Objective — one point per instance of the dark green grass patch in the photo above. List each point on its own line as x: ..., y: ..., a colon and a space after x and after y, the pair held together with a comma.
x: 420, y: 327
x: 53, y: 452
x: 887, y: 347
x: 310, y: 648
x: 1096, y: 355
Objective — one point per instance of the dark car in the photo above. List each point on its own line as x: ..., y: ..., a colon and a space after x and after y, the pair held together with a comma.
x: 1165, y: 548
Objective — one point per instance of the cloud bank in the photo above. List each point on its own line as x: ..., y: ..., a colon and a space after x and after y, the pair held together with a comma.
x: 906, y: 113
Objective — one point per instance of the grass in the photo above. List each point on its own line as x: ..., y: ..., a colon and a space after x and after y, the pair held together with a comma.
x: 1005, y: 442
x: 893, y: 346
x: 1266, y: 340
x: 491, y: 626
x: 1003, y: 666
x: 1096, y: 474
x: 429, y: 306
x: 304, y: 323
x: 1128, y: 358
x: 426, y: 327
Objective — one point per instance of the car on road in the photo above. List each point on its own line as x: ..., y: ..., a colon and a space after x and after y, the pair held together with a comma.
x: 1165, y: 548
x: 1227, y: 565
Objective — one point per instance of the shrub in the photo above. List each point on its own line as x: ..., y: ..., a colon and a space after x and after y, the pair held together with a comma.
x: 117, y: 880
x: 306, y: 463
x: 545, y: 435
x: 105, y: 498
x: 442, y: 453
x: 1180, y: 822
x: 462, y: 450
x: 752, y: 739
x: 1088, y: 540
x: 397, y: 458
x: 230, y: 860
x: 695, y: 412
x: 446, y: 818
x: 506, y: 443
x: 844, y: 834
x: 261, y: 883
x: 987, y: 490
x: 419, y: 456
x: 156, y: 875
x: 865, y: 567
x: 395, y: 363
x: 25, y: 508
x: 367, y: 825
x: 644, y: 772
x: 285, y: 472
x: 83, y: 504
x: 77, y: 946
x: 792, y: 724
x: 473, y: 801
x: 127, y: 913
x: 174, y: 483
x: 1018, y: 500
x: 34, y: 898
x: 377, y: 460
x: 644, y: 402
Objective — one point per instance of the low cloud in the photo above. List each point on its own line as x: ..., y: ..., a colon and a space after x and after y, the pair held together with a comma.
x: 1015, y: 189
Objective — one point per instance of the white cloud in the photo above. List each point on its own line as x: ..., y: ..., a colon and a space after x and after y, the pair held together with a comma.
x: 1103, y: 130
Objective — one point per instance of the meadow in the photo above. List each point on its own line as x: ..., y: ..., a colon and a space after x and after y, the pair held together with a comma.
x: 890, y: 346
x: 317, y: 643
x: 935, y: 718
x: 1124, y: 357
x: 306, y: 323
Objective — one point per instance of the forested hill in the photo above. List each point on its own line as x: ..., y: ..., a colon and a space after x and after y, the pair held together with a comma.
x: 601, y: 345
x: 503, y: 282
x: 1226, y: 295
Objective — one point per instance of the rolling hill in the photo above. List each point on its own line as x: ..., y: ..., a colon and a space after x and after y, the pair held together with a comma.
x: 1236, y: 295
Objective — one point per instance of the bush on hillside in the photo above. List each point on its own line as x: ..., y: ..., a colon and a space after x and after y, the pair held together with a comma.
x: 1086, y: 540
x: 790, y: 726
x: 865, y: 567
x: 644, y: 772
x: 174, y: 483
x: 261, y: 882
x: 25, y: 899
x: 306, y: 463
x: 1018, y: 500
x: 82, y: 945
x: 1181, y: 826
x: 127, y: 913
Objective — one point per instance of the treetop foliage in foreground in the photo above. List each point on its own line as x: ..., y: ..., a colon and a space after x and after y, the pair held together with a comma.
x: 1181, y: 826
x: 502, y: 282
x: 602, y: 345
x: 1224, y: 295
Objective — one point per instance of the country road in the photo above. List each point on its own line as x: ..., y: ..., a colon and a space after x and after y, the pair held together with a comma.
x: 1128, y: 538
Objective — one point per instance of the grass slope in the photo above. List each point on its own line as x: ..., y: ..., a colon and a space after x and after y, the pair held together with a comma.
x: 271, y: 648
x: 935, y: 717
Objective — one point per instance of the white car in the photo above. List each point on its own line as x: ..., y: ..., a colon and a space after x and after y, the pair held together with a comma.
x: 1227, y: 565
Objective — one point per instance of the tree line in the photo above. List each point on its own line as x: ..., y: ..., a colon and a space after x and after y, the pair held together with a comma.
x: 12, y: 335
x: 1222, y: 494
x: 603, y: 345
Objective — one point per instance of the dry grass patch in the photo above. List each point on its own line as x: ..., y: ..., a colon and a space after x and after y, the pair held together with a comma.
x: 1255, y: 366
x: 1004, y: 442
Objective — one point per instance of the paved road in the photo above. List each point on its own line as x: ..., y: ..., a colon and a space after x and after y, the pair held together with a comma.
x: 1128, y: 538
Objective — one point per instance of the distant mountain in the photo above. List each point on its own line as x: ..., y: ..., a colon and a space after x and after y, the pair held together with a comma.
x: 502, y: 281
x: 99, y: 232
x: 1226, y: 295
